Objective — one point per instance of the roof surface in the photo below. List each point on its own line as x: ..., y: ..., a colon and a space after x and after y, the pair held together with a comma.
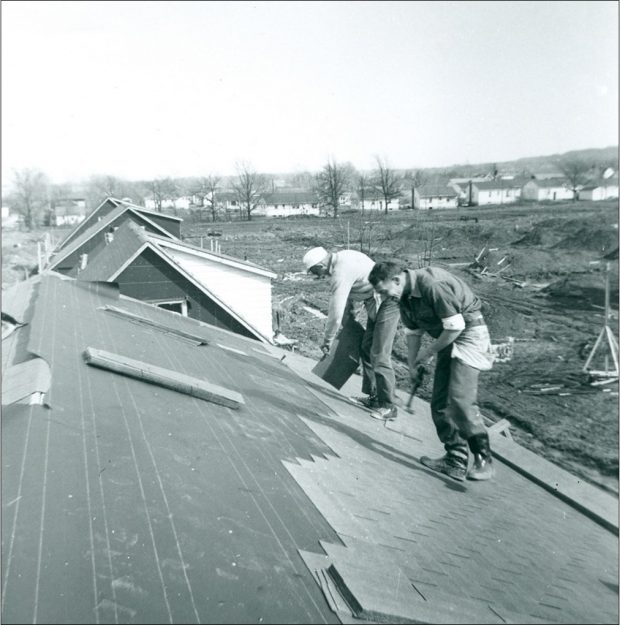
x: 97, y: 227
x: 436, y: 191
x: 498, y: 184
x: 127, y: 502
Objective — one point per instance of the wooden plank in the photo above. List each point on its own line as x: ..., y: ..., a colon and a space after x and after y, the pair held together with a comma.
x: 343, y: 358
x: 163, y: 377
x: 125, y: 314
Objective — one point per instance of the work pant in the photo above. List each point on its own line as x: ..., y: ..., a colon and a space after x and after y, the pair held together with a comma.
x: 376, y: 351
x: 454, y: 405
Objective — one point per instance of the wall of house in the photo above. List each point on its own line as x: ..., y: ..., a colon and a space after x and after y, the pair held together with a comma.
x: 494, y: 196
x: 529, y: 191
x: 437, y: 202
x: 379, y: 205
x: 554, y: 194
x: 286, y: 210
x: 248, y: 294
x: 150, y: 278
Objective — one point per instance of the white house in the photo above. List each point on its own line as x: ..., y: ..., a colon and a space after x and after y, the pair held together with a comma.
x: 180, y: 203
x: 429, y: 197
x: 373, y: 202
x: 286, y: 204
x: 604, y: 189
x: 549, y: 189
x: 497, y: 191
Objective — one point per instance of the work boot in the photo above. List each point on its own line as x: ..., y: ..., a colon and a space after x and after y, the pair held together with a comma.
x: 368, y: 401
x: 449, y: 464
x: 385, y: 413
x: 482, y: 469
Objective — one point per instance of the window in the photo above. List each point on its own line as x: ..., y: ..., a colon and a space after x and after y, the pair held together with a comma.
x: 174, y: 305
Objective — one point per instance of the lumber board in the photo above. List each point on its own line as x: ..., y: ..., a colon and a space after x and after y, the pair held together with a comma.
x: 343, y: 358
x: 163, y: 377
x: 125, y: 314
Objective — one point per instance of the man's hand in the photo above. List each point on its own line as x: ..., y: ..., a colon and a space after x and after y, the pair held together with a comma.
x: 422, y: 360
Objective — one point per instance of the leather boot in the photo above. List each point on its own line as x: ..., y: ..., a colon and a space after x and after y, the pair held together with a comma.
x: 482, y: 469
x: 452, y: 464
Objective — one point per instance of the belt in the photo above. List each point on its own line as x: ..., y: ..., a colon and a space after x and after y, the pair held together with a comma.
x: 478, y: 321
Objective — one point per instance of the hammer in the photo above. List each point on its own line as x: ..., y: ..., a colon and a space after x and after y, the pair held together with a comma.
x: 416, y: 383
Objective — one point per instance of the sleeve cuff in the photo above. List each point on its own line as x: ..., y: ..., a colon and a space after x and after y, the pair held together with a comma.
x: 456, y: 322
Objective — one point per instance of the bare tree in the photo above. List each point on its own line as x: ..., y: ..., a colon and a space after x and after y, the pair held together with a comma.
x: 415, y: 179
x: 575, y: 171
x: 387, y: 181
x: 213, y: 187
x: 249, y: 187
x: 161, y: 189
x: 330, y: 184
x: 363, y: 186
x: 29, y: 194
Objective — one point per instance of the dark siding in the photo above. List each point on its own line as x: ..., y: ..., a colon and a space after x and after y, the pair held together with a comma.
x: 149, y: 277
x: 104, y: 210
x: 69, y: 266
x: 169, y: 225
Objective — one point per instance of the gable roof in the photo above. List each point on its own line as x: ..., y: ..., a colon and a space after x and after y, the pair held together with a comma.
x: 65, y: 252
x: 291, y: 197
x: 497, y: 184
x: 130, y: 241
x: 436, y: 191
x: 550, y: 183
x: 108, y: 205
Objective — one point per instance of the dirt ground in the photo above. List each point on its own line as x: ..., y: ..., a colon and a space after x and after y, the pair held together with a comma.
x: 542, y: 282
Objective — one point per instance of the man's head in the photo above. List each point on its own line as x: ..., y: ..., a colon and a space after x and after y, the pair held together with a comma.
x: 388, y: 278
x: 315, y: 261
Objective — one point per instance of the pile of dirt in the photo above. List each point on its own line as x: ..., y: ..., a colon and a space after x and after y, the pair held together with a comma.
x: 594, y: 235
x: 586, y: 290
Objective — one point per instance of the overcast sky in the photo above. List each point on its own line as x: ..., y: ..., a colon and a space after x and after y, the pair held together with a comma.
x: 149, y: 89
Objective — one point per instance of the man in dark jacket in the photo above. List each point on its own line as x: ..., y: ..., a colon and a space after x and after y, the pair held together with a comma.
x: 433, y: 300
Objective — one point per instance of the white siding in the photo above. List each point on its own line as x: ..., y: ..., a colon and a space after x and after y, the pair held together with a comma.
x: 438, y: 202
x: 531, y: 191
x: 495, y: 196
x: 247, y: 294
x: 286, y: 210
x: 599, y: 193
x: 379, y: 204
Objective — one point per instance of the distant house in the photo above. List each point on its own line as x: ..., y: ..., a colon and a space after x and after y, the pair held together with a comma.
x: 603, y: 189
x: 375, y: 202
x: 548, y: 189
x: 286, y: 204
x: 74, y: 251
x: 180, y: 203
x: 220, y: 290
x: 429, y: 197
x: 67, y: 211
x: 497, y: 191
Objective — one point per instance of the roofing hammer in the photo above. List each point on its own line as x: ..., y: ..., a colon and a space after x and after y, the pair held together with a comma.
x: 416, y: 382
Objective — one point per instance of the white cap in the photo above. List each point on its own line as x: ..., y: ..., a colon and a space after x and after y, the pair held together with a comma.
x: 314, y: 257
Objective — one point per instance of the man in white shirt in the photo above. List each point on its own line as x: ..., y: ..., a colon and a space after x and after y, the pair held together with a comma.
x: 348, y: 272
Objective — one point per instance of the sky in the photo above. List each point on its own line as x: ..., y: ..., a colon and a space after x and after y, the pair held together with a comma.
x: 142, y: 90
